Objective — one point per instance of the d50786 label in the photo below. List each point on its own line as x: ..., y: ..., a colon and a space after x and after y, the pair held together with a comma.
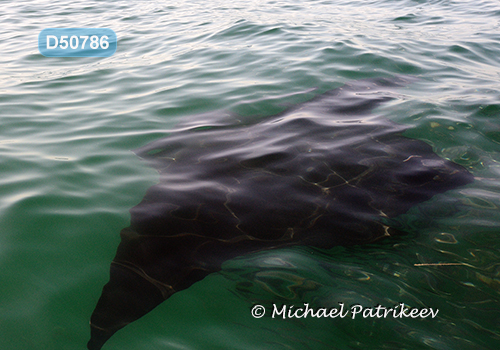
x: 77, y: 42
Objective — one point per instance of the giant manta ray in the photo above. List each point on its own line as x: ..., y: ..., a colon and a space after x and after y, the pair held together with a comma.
x: 323, y: 173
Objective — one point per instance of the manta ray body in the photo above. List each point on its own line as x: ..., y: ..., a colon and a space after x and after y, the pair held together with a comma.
x: 324, y: 173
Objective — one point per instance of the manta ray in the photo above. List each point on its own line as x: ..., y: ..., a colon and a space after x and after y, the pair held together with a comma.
x: 323, y: 173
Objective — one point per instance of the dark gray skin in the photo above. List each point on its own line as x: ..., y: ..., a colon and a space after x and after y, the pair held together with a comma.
x: 323, y: 173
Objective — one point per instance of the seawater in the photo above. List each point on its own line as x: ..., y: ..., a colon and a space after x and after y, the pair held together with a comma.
x: 68, y: 126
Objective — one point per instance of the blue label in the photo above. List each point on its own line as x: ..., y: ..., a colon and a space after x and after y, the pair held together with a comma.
x: 77, y: 42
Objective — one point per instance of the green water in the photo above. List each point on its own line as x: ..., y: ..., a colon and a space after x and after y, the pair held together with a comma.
x: 69, y: 176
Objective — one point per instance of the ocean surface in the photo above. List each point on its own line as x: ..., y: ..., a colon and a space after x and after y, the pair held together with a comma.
x: 69, y: 176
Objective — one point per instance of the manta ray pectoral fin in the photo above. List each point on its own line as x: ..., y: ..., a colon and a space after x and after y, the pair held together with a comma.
x: 145, y: 272
x: 125, y: 298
